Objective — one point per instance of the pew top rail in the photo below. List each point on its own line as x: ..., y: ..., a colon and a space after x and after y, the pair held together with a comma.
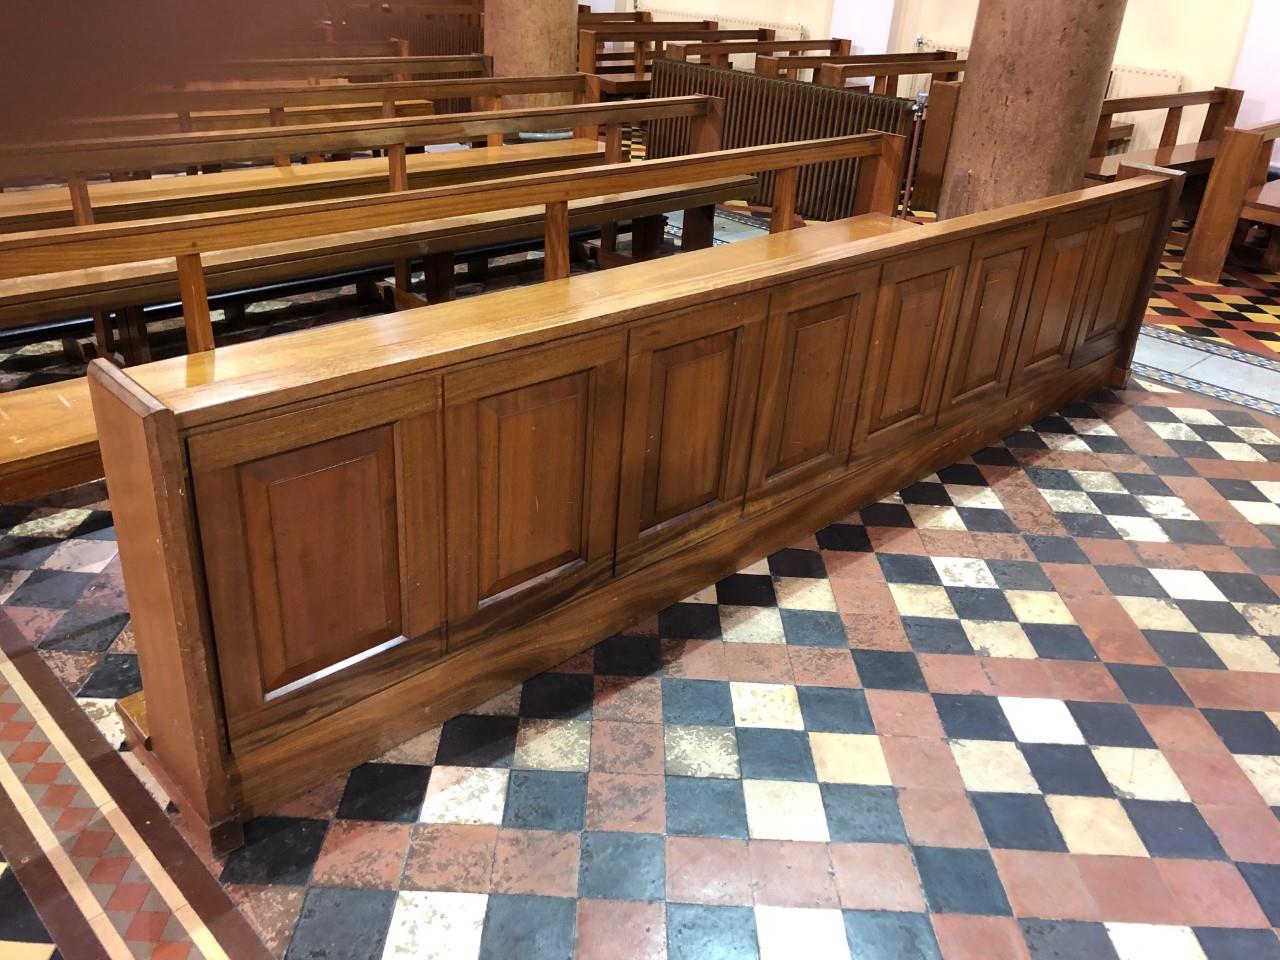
x: 885, y: 75
x: 718, y: 54
x: 773, y: 66
x: 322, y: 68
x: 239, y: 379
x: 1222, y: 103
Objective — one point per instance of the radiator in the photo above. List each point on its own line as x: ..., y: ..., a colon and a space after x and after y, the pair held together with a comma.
x: 1142, y: 82
x: 911, y: 87
x: 784, y: 31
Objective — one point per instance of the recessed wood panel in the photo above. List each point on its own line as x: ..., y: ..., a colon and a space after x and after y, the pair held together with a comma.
x: 691, y: 391
x: 531, y: 454
x: 815, y: 352
x: 1059, y: 295
x: 997, y: 291
x: 1122, y: 250
x: 321, y: 531
x: 916, y: 307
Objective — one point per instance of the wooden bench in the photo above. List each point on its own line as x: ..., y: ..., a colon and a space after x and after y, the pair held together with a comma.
x: 789, y: 66
x: 647, y: 40
x: 1238, y: 194
x: 1194, y: 158
x: 884, y: 76
x: 589, y: 18
x: 720, y: 54
x: 656, y: 428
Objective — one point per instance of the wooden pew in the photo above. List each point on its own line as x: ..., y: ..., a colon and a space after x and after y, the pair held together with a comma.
x: 75, y: 161
x: 885, y: 75
x: 97, y: 252
x: 691, y: 416
x: 655, y: 33
x: 719, y: 54
x: 350, y: 68
x: 789, y: 66
x: 1191, y: 158
x: 1238, y: 194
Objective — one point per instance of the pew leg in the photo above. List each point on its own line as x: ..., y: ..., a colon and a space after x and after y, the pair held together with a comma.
x: 1271, y: 256
x: 699, y: 228
x: 646, y: 237
x: 103, y: 335
x: 367, y: 290
x: 134, y: 343
x: 438, y: 268
x: 404, y: 275
x: 233, y: 315
x: 609, y: 238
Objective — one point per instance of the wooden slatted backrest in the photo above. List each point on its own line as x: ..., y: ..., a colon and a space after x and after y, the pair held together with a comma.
x: 1223, y: 104
x: 657, y: 33
x: 768, y: 66
x: 589, y: 17
x: 718, y: 54
x: 886, y: 74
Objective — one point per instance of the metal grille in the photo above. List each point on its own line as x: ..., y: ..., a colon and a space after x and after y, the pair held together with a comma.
x: 762, y: 110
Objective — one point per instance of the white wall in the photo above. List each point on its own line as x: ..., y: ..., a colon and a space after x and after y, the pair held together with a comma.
x: 813, y: 15
x: 1258, y: 69
x: 868, y: 23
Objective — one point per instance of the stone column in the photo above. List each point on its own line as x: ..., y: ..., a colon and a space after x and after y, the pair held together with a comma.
x: 529, y: 38
x: 1037, y: 72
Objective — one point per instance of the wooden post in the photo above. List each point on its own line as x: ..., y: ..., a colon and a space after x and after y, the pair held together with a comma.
x: 1169, y: 132
x: 783, y: 201
x: 277, y: 120
x: 494, y: 139
x: 398, y: 172
x: 841, y: 48
x: 878, y: 179
x: 612, y: 154
x: 195, y: 303
x: 1231, y: 178
x: 82, y: 213
x: 707, y: 131
x: 1033, y: 88
x: 556, y: 241
x: 1222, y: 113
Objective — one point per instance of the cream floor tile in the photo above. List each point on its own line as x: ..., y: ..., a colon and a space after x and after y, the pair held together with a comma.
x: 783, y: 810
x: 1187, y: 585
x: 993, y: 766
x: 998, y: 638
x: 1095, y: 825
x: 751, y: 625
x: 1038, y: 606
x: 1256, y: 512
x: 766, y: 705
x: 82, y: 556
x: 983, y: 498
x: 701, y: 751
x: 434, y: 925
x: 922, y: 600
x: 1141, y: 529
x: 1264, y: 772
x: 761, y: 567
x: 849, y: 758
x: 1154, y: 613
x: 1263, y: 617
x: 1147, y: 941
x: 1239, y: 452
x: 1195, y: 415
x: 964, y: 572
x: 1040, y: 720
x: 553, y: 744
x: 1259, y: 435
x: 930, y: 517
x: 1174, y: 431
x: 1065, y: 442
x: 465, y: 795
x: 1069, y: 501
x: 1140, y: 774
x: 804, y: 593
x: 1166, y: 508
x: 705, y: 595
x: 420, y: 749
x: 785, y: 933
x: 1098, y: 481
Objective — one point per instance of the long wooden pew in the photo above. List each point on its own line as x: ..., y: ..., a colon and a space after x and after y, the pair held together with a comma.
x: 789, y: 66
x: 42, y: 433
x: 1238, y: 194
x: 720, y: 54
x: 655, y: 429
x: 1194, y: 158
x: 75, y: 161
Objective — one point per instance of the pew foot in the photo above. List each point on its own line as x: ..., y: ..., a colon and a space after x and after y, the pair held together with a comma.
x: 699, y: 228
x: 438, y: 275
x: 1271, y: 256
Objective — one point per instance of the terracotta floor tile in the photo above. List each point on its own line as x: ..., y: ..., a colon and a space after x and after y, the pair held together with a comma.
x: 963, y: 937
x: 635, y: 699
x: 940, y: 818
x: 822, y: 667
x: 1079, y: 680
x: 362, y: 854
x: 904, y: 714
x: 954, y: 673
x: 537, y: 862
x: 621, y: 928
x: 757, y: 663
x: 1249, y: 833
x: 694, y: 659
x: 1179, y: 728
x: 621, y: 747
x: 1211, y: 894
x: 876, y: 632
x: 1046, y: 886
x: 876, y: 876
x: 1018, y: 678
x: 1212, y: 778
x: 708, y: 870
x: 448, y: 856
x: 916, y: 762
x: 629, y: 802
x: 1128, y: 890
x: 791, y: 874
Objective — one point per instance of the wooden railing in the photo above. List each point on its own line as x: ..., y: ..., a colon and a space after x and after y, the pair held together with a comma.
x: 435, y: 34
x: 791, y: 65
x: 759, y: 110
x: 654, y: 429
x: 648, y: 39
x: 1223, y: 104
x: 719, y: 54
x: 884, y: 76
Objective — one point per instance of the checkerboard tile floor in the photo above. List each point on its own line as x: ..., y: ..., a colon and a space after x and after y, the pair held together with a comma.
x: 1027, y: 707
x: 22, y: 935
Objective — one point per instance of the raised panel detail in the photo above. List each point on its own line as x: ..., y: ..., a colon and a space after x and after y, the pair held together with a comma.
x: 1059, y: 295
x: 691, y: 390
x: 320, y: 529
x: 531, y: 453
x: 992, y: 313
x: 916, y: 308
x: 815, y: 351
x: 1122, y: 250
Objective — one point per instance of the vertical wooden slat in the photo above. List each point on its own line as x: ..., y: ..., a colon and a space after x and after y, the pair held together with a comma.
x: 784, y: 200
x: 494, y: 139
x: 195, y: 303
x: 1172, y: 124
x: 556, y: 241
x: 82, y: 213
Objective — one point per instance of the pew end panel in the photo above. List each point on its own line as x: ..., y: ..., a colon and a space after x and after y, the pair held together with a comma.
x: 569, y: 513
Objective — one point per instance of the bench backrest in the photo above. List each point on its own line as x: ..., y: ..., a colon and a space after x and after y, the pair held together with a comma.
x: 657, y: 33
x: 589, y: 17
x: 768, y: 66
x: 718, y: 54
x: 884, y: 76
x: 352, y: 68
x: 1223, y: 104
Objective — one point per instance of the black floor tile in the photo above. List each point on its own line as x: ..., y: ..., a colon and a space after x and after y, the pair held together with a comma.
x: 1067, y: 940
x: 971, y: 716
x: 889, y: 670
x: 883, y: 935
x: 1147, y: 684
x: 390, y: 792
x: 689, y: 621
x: 706, y: 807
x: 1017, y: 821
x: 863, y: 814
x: 558, y: 696
x: 698, y: 932
x: 517, y: 925
x: 1245, y: 731
x: 478, y: 741
x: 628, y: 656
x: 813, y: 628
x: 116, y: 676
x: 545, y: 800
x: 1264, y: 881
x: 746, y: 590
x: 1109, y: 724
x: 696, y: 702
x: 1173, y: 830
x: 768, y: 754
x: 276, y: 850
x: 337, y: 923
x: 1225, y: 943
x: 622, y: 866
x: 834, y: 710
x: 961, y: 881
x: 792, y: 562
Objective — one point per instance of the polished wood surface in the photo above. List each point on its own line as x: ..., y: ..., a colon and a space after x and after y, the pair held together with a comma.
x: 720, y: 54
x: 47, y: 439
x: 789, y: 66
x: 1223, y: 104
x: 597, y: 433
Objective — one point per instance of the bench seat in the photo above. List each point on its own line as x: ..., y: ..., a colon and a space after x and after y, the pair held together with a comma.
x: 1263, y: 203
x: 43, y: 208
x: 1190, y: 158
x: 49, y: 441
x: 48, y: 297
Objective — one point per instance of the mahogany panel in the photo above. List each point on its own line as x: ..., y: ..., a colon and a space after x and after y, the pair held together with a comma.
x: 815, y: 352
x: 916, y: 307
x: 996, y: 295
x: 1060, y: 293
x: 320, y: 532
x: 532, y: 443
x: 691, y: 393
x: 1122, y: 251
